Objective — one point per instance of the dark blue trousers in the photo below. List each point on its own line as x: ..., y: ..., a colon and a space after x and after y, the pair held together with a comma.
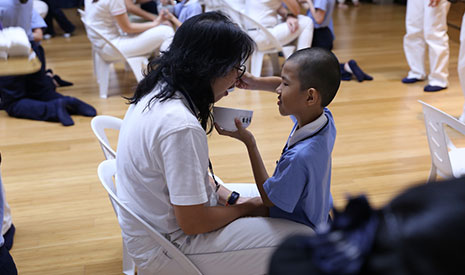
x: 54, y: 12
x: 150, y: 6
x: 7, y: 265
x: 323, y: 38
x: 30, y: 96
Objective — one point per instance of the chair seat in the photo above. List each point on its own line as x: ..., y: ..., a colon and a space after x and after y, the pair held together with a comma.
x: 457, y: 161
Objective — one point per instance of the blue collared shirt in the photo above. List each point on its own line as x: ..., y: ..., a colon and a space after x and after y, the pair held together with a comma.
x: 37, y: 22
x: 300, y: 185
x: 15, y: 14
x: 184, y: 11
x: 328, y: 7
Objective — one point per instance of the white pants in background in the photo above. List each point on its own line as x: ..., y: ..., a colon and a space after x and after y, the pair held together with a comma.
x: 40, y: 7
x: 144, y: 43
x: 242, y: 247
x: 303, y: 35
x: 427, y: 26
x: 461, y: 64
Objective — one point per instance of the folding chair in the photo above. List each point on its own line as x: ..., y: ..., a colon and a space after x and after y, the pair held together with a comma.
x: 447, y: 160
x: 102, y: 66
x: 180, y: 264
x: 249, y: 25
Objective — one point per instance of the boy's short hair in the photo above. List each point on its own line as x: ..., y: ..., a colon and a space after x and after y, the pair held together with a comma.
x: 319, y: 69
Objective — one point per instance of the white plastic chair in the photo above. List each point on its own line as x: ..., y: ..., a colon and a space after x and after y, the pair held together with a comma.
x: 99, y: 124
x: 448, y: 161
x: 180, y: 264
x: 252, y: 27
x: 102, y: 66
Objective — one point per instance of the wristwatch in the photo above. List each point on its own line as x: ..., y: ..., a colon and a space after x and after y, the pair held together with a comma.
x: 232, y: 198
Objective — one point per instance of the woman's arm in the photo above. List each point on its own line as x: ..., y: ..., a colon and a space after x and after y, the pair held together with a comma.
x: 198, y: 219
x: 129, y: 27
x: 134, y: 9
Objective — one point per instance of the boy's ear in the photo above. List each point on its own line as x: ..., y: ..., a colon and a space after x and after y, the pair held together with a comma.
x: 313, y: 96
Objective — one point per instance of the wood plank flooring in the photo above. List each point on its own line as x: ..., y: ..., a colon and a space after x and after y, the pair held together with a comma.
x: 65, y: 223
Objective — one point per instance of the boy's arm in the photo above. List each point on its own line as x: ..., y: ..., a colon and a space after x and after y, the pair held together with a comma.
x: 258, y: 167
x: 317, y: 14
x: 250, y: 82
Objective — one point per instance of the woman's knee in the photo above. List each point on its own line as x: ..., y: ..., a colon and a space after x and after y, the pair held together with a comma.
x: 305, y: 22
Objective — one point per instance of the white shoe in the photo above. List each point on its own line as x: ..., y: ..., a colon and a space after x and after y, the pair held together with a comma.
x: 66, y: 35
x: 47, y: 36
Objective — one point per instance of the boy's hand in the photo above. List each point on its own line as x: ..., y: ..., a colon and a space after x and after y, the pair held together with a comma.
x: 241, y: 133
x: 257, y: 207
x: 246, y: 81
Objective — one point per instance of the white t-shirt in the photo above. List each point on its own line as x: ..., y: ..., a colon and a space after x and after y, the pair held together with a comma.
x: 264, y: 12
x: 162, y: 159
x: 100, y: 16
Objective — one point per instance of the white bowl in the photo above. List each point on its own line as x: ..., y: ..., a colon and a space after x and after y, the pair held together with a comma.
x: 224, y: 117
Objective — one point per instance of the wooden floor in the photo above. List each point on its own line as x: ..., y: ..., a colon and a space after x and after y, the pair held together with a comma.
x: 65, y: 223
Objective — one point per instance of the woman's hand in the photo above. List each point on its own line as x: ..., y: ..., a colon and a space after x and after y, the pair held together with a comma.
x: 241, y: 134
x: 292, y: 23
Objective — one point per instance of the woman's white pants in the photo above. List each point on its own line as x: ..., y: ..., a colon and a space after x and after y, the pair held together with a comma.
x: 244, y: 246
x: 303, y: 35
x: 427, y: 26
x: 141, y: 44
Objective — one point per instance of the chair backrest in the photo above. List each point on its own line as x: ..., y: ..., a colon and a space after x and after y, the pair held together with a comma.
x: 438, y: 141
x: 90, y: 28
x: 244, y: 21
x: 106, y: 172
x: 99, y: 124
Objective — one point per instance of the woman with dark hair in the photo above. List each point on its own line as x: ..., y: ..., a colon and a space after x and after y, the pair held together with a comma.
x: 420, y: 231
x: 162, y: 159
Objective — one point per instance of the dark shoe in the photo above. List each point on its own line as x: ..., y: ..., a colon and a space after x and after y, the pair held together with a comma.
x: 61, y: 82
x: 62, y: 113
x: 407, y: 80
x: 429, y: 88
x: 359, y: 74
x: 78, y: 107
x: 9, y: 236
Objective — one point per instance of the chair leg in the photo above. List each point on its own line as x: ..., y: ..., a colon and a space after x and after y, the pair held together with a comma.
x: 257, y: 61
x: 432, y: 174
x: 103, y: 75
x: 288, y: 50
x: 129, y: 268
x: 137, y: 66
x: 94, y: 58
x: 275, y: 62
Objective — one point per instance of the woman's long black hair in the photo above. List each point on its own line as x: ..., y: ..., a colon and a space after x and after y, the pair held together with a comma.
x: 205, y: 47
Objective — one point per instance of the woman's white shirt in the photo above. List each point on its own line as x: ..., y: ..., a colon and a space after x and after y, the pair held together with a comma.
x: 100, y: 15
x: 162, y: 159
x: 264, y: 12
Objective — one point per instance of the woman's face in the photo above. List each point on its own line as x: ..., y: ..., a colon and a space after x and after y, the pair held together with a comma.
x: 221, y: 84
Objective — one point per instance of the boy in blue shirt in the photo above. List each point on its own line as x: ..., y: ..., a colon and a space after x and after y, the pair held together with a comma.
x: 299, y: 189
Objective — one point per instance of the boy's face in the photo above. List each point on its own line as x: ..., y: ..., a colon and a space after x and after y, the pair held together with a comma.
x: 291, y: 100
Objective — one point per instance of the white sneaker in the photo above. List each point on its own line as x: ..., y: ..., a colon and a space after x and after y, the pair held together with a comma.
x: 47, y: 36
x: 66, y: 35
